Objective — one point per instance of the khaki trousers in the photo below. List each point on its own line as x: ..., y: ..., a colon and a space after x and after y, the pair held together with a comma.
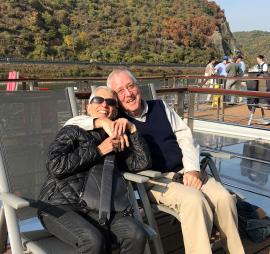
x: 198, y: 210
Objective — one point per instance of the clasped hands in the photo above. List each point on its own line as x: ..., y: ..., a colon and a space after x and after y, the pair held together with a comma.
x: 117, y: 140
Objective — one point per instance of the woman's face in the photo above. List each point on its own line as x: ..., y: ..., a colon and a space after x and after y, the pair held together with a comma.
x: 102, y: 105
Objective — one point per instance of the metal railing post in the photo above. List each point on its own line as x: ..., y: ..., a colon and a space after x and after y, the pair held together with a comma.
x: 218, y: 108
x: 180, y: 103
x: 191, y: 100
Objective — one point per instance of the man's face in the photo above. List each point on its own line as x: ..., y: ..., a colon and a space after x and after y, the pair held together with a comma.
x: 259, y: 60
x: 128, y: 93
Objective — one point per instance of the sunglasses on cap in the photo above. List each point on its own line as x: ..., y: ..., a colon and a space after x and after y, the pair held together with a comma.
x: 100, y: 100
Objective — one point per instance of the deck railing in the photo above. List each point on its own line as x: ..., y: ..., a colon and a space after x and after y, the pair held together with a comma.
x: 186, y: 93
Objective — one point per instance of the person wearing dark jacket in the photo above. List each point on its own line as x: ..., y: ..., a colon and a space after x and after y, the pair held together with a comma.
x: 72, y: 193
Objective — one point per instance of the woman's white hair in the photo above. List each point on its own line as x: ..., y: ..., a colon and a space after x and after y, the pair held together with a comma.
x: 118, y: 71
x: 94, y: 92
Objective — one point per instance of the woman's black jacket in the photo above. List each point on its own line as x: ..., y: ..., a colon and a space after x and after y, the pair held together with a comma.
x: 73, y: 154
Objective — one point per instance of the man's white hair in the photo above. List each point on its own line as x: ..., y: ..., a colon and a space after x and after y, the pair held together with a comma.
x: 118, y: 71
x: 94, y: 92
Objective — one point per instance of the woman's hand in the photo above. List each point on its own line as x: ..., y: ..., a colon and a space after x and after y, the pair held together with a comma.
x: 116, y: 128
x: 110, y: 144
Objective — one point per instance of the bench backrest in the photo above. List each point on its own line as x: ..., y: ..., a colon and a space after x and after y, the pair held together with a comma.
x: 29, y: 122
x: 148, y: 92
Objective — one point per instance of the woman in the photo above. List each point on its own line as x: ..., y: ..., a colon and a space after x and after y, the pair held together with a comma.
x: 210, y: 71
x: 75, y: 170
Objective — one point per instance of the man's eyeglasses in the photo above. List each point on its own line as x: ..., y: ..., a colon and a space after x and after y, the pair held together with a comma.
x: 100, y: 100
x: 129, y: 87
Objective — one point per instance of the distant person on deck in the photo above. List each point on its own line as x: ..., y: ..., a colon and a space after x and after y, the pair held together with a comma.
x: 78, y: 160
x: 221, y: 67
x: 220, y: 70
x: 241, y: 64
x: 233, y: 70
x: 210, y: 71
x: 261, y: 66
x: 198, y: 200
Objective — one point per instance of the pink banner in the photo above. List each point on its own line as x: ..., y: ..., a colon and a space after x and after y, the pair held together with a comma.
x: 11, y: 86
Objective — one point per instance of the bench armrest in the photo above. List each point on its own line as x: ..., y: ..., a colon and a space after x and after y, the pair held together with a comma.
x: 150, y: 173
x: 135, y: 178
x: 217, y: 154
x: 13, y: 200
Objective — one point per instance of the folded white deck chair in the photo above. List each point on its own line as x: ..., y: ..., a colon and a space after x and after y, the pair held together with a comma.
x: 29, y: 121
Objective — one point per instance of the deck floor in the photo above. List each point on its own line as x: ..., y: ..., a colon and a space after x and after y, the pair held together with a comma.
x: 238, y: 114
x: 169, y: 228
x: 171, y: 236
x: 172, y: 240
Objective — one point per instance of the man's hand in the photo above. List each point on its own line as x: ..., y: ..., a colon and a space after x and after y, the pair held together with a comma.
x: 122, y: 125
x: 193, y: 179
x: 106, y: 124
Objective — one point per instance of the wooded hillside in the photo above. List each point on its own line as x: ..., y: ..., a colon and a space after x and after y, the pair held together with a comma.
x: 152, y: 31
x: 252, y: 44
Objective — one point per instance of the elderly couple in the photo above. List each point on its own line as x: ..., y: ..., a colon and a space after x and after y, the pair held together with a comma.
x: 79, y: 153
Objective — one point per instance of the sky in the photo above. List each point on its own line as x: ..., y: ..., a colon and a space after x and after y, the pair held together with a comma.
x: 246, y: 15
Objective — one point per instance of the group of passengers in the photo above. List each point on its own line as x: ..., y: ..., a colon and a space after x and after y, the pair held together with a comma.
x: 122, y: 132
x: 234, y: 68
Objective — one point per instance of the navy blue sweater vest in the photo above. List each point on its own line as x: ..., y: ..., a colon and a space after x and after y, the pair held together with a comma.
x: 157, y: 131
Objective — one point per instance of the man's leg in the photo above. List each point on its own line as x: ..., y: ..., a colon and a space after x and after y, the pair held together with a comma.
x: 129, y: 233
x: 225, y: 215
x: 73, y: 229
x: 234, y: 86
x: 229, y: 84
x: 193, y: 210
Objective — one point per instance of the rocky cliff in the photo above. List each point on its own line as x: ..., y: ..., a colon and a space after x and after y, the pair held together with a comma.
x: 153, y: 31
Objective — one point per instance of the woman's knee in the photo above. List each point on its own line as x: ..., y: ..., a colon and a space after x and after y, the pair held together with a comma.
x: 133, y: 230
x: 139, y: 235
x: 74, y: 230
x: 136, y: 230
x: 91, y: 243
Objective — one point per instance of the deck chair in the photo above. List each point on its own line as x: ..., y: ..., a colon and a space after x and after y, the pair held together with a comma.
x: 29, y: 122
x: 3, y: 230
x: 148, y: 91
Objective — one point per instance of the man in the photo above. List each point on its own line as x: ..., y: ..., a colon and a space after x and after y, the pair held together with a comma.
x: 221, y: 70
x: 221, y: 67
x: 241, y: 63
x: 172, y: 148
x: 262, y: 66
x: 233, y: 70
